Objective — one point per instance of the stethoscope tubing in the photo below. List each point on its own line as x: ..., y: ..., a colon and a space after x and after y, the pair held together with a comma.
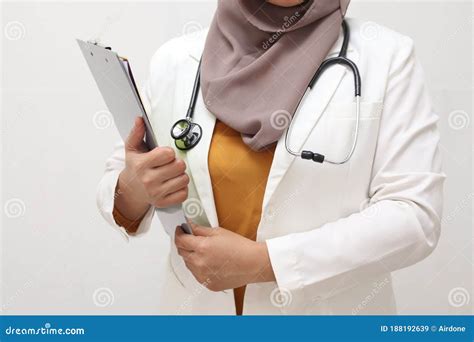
x: 194, y: 95
x: 326, y: 160
x: 187, y: 136
x: 341, y: 59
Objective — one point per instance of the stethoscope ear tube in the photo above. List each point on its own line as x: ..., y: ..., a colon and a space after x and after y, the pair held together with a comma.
x: 342, y: 61
x: 194, y: 95
x: 320, y: 158
x: 187, y: 134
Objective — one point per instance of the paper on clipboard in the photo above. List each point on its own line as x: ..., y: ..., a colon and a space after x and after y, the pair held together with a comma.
x: 114, y: 78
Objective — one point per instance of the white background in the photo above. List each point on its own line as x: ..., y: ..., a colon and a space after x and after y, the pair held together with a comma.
x: 59, y: 257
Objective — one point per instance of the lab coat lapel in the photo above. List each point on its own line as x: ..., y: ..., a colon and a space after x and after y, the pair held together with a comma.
x: 309, y: 113
x: 198, y: 162
x: 197, y: 158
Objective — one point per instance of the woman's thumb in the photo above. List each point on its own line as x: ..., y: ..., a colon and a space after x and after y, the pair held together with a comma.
x: 200, y: 230
x: 135, y: 138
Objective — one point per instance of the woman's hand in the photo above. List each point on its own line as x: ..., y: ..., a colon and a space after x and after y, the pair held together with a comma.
x: 221, y: 259
x: 154, y: 178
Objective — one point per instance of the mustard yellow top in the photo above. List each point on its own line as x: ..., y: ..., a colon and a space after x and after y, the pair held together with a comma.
x: 239, y: 177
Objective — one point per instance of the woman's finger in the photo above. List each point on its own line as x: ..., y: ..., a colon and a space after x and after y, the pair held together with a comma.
x: 186, y: 241
x: 200, y: 230
x: 159, y: 157
x: 185, y: 254
x: 169, y: 171
x: 171, y: 186
x: 134, y: 141
x: 172, y: 199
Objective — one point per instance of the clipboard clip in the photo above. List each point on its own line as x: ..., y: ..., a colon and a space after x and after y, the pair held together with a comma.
x: 96, y: 42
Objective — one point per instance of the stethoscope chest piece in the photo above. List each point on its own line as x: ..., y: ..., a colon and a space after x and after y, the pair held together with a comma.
x: 186, y: 134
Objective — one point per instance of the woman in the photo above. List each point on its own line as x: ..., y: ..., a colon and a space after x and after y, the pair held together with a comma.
x: 288, y: 236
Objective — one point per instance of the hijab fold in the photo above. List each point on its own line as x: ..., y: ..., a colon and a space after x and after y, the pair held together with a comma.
x: 259, y: 58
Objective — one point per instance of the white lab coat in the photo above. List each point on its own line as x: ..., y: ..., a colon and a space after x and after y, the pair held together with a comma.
x: 334, y: 233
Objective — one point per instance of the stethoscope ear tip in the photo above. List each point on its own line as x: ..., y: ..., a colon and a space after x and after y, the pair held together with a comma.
x: 309, y: 155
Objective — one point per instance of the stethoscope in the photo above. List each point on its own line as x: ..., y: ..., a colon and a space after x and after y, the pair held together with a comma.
x: 187, y: 133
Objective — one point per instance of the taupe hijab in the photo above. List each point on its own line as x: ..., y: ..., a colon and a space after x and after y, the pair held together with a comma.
x: 259, y: 58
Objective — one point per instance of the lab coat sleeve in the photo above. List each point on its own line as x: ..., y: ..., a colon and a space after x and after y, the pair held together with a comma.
x: 107, y: 189
x: 401, y: 224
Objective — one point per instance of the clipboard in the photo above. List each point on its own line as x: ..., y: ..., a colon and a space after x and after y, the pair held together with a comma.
x: 115, y: 81
x: 114, y: 78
